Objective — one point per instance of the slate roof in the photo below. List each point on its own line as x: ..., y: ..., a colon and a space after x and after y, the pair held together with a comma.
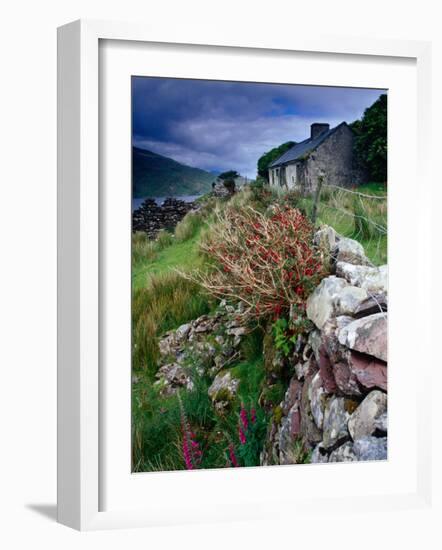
x: 304, y: 147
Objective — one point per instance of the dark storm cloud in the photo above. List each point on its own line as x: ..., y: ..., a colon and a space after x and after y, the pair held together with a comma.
x: 221, y: 125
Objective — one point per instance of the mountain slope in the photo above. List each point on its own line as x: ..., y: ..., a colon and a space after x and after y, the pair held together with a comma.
x: 156, y: 176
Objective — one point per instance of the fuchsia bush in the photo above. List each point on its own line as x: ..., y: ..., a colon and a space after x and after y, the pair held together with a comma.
x: 266, y: 261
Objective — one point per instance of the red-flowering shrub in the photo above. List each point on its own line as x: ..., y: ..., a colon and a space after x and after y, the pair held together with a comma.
x: 266, y: 261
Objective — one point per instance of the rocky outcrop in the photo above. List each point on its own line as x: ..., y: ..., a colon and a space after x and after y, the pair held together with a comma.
x: 223, y: 390
x: 222, y: 188
x: 209, y: 344
x: 151, y: 218
x: 336, y: 404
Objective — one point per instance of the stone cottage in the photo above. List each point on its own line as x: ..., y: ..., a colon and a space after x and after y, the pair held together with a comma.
x: 327, y: 153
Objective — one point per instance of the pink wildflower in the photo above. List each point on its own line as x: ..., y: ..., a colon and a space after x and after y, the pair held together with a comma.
x: 242, y: 436
x: 186, y: 452
x: 191, y: 451
x: 243, y: 416
x: 232, y: 456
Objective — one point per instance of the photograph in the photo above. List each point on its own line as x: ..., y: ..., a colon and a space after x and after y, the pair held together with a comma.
x: 259, y: 296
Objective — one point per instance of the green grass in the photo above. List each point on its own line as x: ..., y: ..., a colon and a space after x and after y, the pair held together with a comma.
x: 348, y: 213
x: 188, y: 227
x: 180, y: 255
x: 373, y: 188
x: 168, y: 302
x: 143, y: 249
x: 162, y: 300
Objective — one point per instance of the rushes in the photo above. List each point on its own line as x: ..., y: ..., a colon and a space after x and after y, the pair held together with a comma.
x: 143, y: 249
x: 166, y: 303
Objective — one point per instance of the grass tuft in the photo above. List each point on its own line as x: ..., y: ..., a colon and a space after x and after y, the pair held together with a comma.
x: 188, y: 227
x: 163, y: 239
x: 143, y: 249
x: 165, y: 304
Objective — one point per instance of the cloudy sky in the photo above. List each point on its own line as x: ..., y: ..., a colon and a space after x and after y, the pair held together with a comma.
x: 220, y: 126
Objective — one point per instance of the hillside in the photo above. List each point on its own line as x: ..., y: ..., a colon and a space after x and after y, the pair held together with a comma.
x: 155, y: 176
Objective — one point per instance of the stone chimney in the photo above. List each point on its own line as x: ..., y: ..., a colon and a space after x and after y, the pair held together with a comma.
x: 318, y: 128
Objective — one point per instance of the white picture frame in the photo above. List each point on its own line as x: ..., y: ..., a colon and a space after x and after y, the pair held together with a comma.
x: 80, y: 266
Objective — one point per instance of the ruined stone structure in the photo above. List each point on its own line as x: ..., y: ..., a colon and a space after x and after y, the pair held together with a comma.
x: 327, y: 154
x: 151, y: 217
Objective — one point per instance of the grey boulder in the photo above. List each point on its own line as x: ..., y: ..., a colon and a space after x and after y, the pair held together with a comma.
x: 370, y: 448
x: 350, y: 251
x: 336, y: 415
x: 367, y: 335
x: 372, y: 279
x: 344, y: 453
x: 363, y: 421
x: 322, y: 304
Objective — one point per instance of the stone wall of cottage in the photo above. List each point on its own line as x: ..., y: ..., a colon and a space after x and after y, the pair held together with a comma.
x: 333, y: 160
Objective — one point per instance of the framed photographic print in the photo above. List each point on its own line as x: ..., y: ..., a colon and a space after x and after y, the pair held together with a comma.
x: 231, y: 289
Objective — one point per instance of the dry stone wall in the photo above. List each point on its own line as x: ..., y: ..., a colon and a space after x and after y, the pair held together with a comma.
x: 336, y: 403
x: 151, y: 217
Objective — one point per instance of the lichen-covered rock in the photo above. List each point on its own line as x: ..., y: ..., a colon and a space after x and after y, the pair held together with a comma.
x: 363, y: 421
x: 326, y: 238
x: 344, y: 453
x: 332, y: 298
x: 350, y: 251
x: 370, y: 448
x: 367, y: 335
x: 183, y: 331
x: 350, y: 299
x: 223, y: 390
x: 309, y: 429
x: 346, y: 380
x: 292, y: 395
x: 172, y: 377
x: 372, y: 279
x: 336, y: 415
x: 315, y: 341
x: 317, y: 396
x: 322, y: 304
x: 289, y: 432
x: 329, y: 337
x: 210, y: 341
x: 369, y: 372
